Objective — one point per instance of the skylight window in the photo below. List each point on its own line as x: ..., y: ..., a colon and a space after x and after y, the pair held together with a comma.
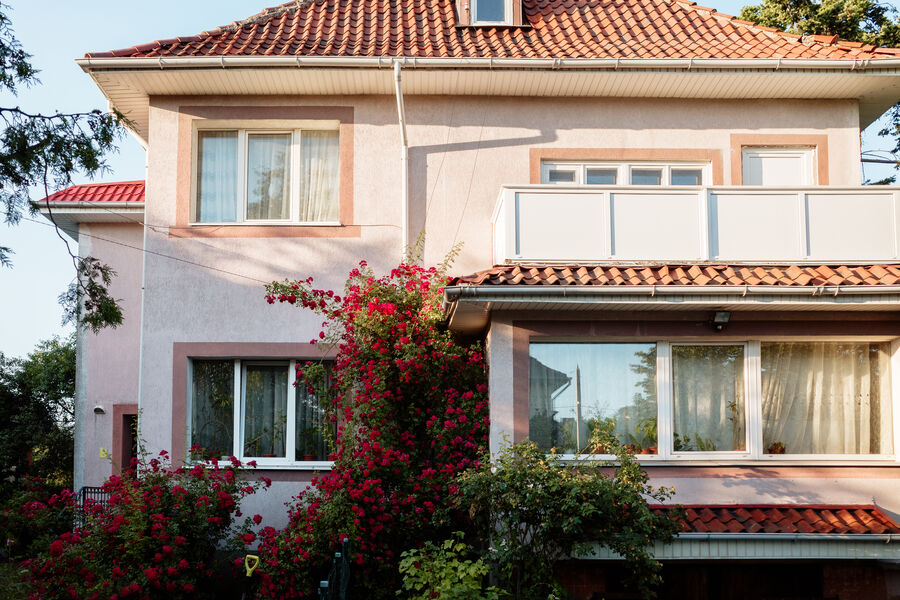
x: 491, y: 11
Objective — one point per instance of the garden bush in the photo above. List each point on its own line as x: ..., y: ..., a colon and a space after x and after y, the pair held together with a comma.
x: 155, y: 538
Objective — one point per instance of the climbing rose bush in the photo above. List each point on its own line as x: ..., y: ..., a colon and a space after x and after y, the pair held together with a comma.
x: 156, y: 537
x: 411, y: 410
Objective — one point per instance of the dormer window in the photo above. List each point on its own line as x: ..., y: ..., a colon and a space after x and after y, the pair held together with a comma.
x: 487, y: 12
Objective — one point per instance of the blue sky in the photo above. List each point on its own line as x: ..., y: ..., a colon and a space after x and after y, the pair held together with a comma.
x: 57, y: 32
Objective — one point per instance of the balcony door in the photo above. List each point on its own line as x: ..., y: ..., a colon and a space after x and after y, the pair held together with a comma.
x: 777, y: 167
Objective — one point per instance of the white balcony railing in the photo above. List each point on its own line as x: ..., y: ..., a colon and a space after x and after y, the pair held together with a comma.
x: 578, y: 224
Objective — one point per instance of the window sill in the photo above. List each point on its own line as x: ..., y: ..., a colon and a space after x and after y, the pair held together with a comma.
x: 269, y: 224
x: 719, y: 461
x: 317, y: 465
x: 265, y: 230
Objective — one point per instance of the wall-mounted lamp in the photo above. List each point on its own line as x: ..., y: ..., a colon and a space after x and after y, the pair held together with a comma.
x: 99, y: 410
x: 720, y: 319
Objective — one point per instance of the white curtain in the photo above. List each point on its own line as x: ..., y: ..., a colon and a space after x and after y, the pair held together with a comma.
x: 268, y: 176
x: 217, y: 171
x: 825, y: 398
x: 319, y: 177
x: 265, y: 412
x: 708, y: 401
x: 212, y: 406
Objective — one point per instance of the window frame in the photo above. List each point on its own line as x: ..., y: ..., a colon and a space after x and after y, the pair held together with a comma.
x: 244, y: 130
x: 755, y: 453
x: 507, y: 14
x: 239, y: 412
x: 623, y: 172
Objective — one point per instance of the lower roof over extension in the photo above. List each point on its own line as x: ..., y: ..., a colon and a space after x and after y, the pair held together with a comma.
x: 802, y: 532
x: 586, y: 288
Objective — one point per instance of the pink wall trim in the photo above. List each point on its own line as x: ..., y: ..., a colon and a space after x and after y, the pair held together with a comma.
x: 118, y: 449
x: 182, y: 351
x: 688, y: 325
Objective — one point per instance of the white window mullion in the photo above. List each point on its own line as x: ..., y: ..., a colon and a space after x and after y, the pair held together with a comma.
x: 294, y: 189
x: 664, y: 399
x: 238, y: 411
x: 242, y: 175
x: 290, y: 449
x: 753, y: 376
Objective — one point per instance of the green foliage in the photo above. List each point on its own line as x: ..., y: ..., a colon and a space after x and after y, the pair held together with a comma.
x: 443, y: 571
x: 36, y: 407
x: 32, y: 516
x: 539, y: 510
x: 43, y: 152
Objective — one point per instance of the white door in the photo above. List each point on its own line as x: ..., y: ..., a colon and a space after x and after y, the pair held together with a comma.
x: 777, y: 167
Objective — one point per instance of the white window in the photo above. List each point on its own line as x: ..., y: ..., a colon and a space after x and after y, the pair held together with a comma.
x: 267, y: 176
x: 750, y: 400
x: 777, y: 167
x: 252, y: 409
x: 631, y: 173
x: 487, y: 12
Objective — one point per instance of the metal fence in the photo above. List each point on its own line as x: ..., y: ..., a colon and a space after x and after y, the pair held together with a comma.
x: 96, y: 495
x: 335, y: 587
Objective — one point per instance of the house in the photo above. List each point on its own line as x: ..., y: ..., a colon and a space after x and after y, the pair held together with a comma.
x: 663, y: 225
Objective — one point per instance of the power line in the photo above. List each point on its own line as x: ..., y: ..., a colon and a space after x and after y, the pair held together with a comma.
x: 154, y: 253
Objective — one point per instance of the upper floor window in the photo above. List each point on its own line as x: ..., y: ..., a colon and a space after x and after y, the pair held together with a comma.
x: 486, y: 12
x: 267, y: 176
x: 252, y: 409
x: 750, y: 400
x: 777, y: 166
x: 631, y: 173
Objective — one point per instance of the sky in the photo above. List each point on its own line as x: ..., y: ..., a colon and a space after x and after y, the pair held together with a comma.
x: 55, y: 33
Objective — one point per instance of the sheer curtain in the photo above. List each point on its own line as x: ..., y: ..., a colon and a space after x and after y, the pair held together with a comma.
x: 708, y: 397
x: 265, y: 411
x: 319, y: 176
x: 268, y: 176
x: 825, y: 398
x: 217, y: 171
x: 212, y: 406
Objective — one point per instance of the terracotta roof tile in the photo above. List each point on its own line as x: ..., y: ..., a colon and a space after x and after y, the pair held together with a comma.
x: 553, y: 29
x: 692, y: 275
x: 822, y: 519
x: 120, y: 191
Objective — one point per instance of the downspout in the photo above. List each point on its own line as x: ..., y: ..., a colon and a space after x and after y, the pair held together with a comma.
x: 404, y: 164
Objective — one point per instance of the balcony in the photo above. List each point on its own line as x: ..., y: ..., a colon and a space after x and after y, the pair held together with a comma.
x: 584, y: 224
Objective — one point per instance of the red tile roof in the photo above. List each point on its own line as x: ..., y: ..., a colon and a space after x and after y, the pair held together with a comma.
x: 767, y: 518
x: 555, y: 29
x: 694, y: 275
x: 119, y: 191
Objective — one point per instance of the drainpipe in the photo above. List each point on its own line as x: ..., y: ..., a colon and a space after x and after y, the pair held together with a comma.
x: 404, y: 164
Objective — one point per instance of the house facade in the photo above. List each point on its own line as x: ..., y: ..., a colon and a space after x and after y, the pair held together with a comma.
x: 663, y: 228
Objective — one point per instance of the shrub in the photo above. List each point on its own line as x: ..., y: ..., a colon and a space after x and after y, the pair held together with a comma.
x: 443, y: 571
x: 536, y: 510
x: 156, y: 537
x: 32, y: 517
x: 412, y: 410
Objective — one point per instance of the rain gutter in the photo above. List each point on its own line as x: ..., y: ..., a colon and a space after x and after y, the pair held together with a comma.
x: 885, y: 538
x: 383, y: 62
x: 463, y: 293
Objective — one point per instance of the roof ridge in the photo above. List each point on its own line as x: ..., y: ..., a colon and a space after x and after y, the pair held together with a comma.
x: 772, y: 32
x: 264, y: 15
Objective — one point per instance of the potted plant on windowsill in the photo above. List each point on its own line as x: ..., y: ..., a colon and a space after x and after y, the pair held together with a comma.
x: 309, y: 438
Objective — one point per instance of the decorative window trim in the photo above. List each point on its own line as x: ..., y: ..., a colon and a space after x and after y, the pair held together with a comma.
x: 537, y: 156
x: 239, y: 411
x: 624, y: 170
x: 625, y: 327
x: 191, y: 117
x: 295, y: 129
x: 752, y: 408
x: 819, y: 143
x: 183, y: 352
